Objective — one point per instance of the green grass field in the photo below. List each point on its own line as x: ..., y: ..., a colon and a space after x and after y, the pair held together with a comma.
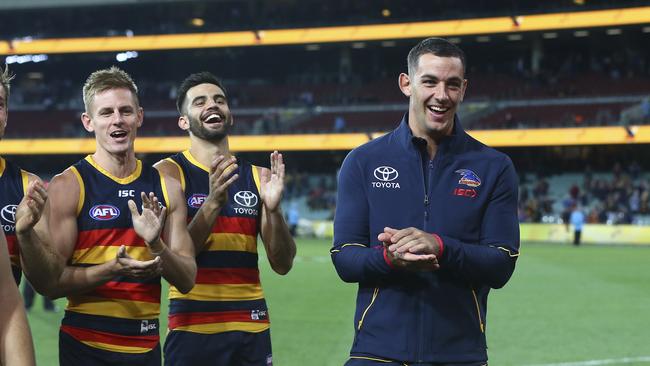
x: 564, y: 306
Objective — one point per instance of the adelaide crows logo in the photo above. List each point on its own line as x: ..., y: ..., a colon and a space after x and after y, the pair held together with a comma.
x: 468, y: 178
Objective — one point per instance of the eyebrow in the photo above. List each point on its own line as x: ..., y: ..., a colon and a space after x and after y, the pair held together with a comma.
x: 203, y: 97
x: 453, y: 78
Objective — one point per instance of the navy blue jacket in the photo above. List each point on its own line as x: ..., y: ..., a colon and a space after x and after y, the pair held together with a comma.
x: 467, y: 195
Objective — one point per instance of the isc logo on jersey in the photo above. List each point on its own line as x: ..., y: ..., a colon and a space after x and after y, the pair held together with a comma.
x: 104, y: 212
x: 196, y: 200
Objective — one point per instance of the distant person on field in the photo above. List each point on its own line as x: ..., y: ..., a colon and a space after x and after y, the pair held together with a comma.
x: 293, y: 218
x: 578, y: 221
x: 426, y: 224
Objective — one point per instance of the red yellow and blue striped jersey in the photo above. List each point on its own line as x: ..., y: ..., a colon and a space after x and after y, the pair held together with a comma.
x: 228, y: 294
x: 122, y: 314
x: 13, y: 185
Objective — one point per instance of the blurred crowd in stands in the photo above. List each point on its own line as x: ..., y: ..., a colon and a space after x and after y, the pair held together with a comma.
x: 572, y: 86
x: 621, y: 196
x: 137, y: 18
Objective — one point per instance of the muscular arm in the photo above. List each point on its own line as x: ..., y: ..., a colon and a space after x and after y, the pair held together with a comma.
x: 41, y: 262
x: 16, y: 346
x: 178, y: 262
x: 354, y: 259
x: 278, y: 242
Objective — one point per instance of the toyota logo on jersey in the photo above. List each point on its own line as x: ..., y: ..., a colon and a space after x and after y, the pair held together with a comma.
x: 8, y: 213
x: 386, y: 173
x: 246, y: 198
x: 104, y: 212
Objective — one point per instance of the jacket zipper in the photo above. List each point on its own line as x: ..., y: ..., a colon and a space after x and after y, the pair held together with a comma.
x: 374, y: 296
x: 478, y: 311
x: 427, y: 171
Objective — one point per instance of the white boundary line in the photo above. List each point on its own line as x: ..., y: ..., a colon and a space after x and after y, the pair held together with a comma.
x: 613, y: 361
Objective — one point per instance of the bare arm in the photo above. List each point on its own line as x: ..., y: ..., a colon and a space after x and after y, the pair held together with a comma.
x: 179, y: 263
x: 278, y: 242
x: 40, y: 261
x: 16, y: 346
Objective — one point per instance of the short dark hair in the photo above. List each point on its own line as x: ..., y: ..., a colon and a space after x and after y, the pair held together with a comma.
x: 193, y: 80
x: 437, y: 46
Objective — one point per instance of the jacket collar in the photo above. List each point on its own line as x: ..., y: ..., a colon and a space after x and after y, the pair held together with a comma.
x: 405, y: 137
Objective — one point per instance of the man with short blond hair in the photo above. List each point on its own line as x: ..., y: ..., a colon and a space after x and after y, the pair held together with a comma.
x: 110, y: 255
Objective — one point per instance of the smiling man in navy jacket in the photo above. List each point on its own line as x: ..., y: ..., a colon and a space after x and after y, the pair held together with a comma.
x: 426, y: 223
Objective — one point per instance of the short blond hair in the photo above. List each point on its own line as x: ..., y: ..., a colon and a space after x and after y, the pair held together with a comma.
x: 102, y: 80
x: 5, y: 81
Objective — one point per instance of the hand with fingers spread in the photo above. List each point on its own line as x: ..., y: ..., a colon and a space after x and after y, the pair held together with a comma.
x: 31, y: 207
x: 221, y: 178
x: 411, y: 248
x: 127, y: 266
x: 150, y: 223
x: 272, y: 182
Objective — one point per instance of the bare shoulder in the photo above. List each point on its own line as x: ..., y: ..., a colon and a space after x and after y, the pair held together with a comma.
x: 168, y: 168
x: 63, y: 191
x: 31, y: 177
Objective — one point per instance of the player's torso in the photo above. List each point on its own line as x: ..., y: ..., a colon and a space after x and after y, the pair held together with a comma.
x: 13, y: 184
x: 124, y: 307
x: 228, y: 294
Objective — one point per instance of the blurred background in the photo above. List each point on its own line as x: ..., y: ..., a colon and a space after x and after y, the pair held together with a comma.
x: 562, y: 87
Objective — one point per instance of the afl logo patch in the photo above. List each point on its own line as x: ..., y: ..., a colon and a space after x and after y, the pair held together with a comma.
x: 196, y: 200
x: 104, y: 212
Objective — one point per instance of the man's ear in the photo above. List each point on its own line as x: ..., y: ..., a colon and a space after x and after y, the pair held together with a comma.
x: 87, y: 122
x: 464, y: 88
x: 405, y: 84
x: 183, y: 123
x: 140, y: 116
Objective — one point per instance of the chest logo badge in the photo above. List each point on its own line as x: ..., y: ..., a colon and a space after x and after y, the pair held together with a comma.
x: 8, y: 213
x: 196, y: 200
x: 104, y: 212
x: 468, y: 178
x: 246, y: 198
x: 386, y: 173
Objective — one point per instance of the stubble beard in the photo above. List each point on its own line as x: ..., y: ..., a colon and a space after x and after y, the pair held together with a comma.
x: 197, y: 129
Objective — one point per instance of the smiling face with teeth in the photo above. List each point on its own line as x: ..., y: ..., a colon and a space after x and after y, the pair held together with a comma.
x: 205, y: 113
x: 435, y: 88
x: 114, y: 116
